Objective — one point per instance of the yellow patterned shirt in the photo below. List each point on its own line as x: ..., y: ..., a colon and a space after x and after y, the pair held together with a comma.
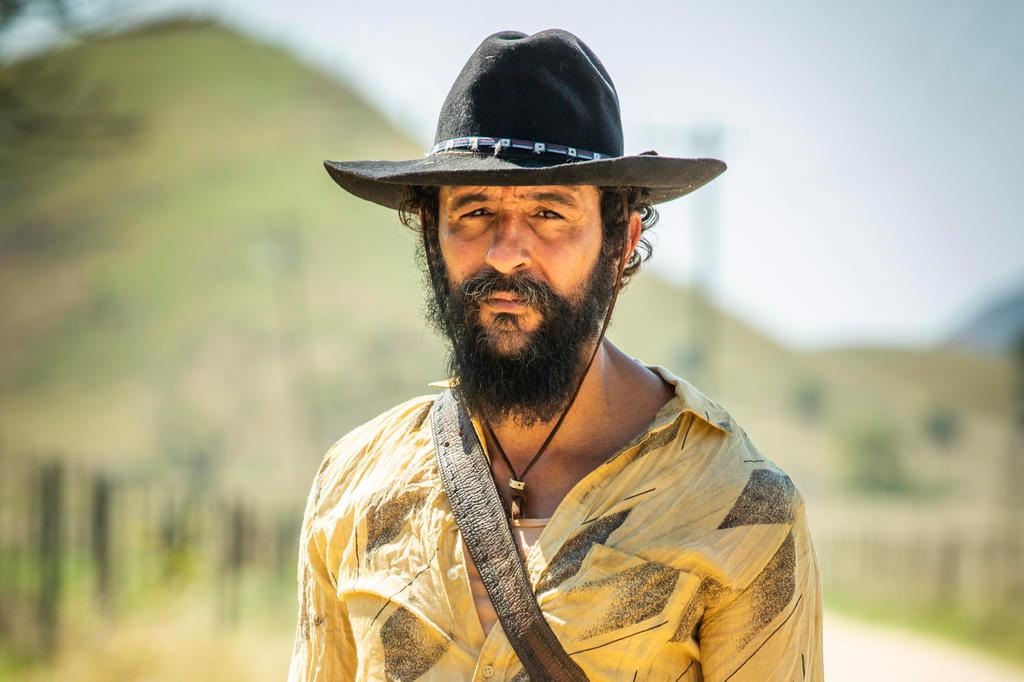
x: 685, y: 556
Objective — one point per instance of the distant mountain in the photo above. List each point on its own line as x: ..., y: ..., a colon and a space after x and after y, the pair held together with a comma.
x: 996, y: 328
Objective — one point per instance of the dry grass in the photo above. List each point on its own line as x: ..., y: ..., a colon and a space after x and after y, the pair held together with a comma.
x: 174, y: 638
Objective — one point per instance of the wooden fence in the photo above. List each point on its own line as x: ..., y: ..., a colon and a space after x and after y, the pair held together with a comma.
x: 973, y: 571
x: 73, y: 533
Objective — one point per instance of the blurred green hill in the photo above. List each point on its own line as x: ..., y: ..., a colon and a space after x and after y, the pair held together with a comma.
x: 199, y: 285
x: 202, y: 284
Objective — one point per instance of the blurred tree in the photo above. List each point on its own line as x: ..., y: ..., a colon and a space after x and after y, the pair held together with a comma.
x: 809, y: 399
x: 942, y: 426
x: 44, y: 106
x: 10, y: 10
x: 72, y: 17
x: 873, y: 459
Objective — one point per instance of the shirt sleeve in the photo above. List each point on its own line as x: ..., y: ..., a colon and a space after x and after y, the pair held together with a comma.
x: 771, y: 631
x: 324, y: 647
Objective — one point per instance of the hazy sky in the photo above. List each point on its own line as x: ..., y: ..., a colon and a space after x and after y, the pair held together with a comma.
x: 874, y: 193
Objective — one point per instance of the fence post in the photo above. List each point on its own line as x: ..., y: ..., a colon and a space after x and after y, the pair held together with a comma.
x: 100, y: 538
x: 50, y: 536
x: 234, y: 555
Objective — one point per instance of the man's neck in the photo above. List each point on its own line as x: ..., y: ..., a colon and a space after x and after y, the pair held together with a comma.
x: 618, y: 397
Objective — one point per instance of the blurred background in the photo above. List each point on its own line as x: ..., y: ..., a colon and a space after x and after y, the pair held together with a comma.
x: 191, y: 312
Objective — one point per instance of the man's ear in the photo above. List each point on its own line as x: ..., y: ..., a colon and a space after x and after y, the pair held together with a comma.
x: 635, y: 230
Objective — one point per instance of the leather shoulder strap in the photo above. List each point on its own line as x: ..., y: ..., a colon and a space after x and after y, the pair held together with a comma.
x: 485, y: 528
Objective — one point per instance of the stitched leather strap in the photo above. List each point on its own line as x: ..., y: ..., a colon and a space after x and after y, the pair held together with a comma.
x: 486, y: 531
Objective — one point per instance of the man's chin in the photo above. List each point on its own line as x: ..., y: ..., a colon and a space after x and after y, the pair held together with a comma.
x: 505, y: 334
x: 507, y: 342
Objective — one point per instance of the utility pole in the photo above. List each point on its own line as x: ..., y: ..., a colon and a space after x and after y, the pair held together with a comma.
x: 704, y: 320
x: 695, y: 356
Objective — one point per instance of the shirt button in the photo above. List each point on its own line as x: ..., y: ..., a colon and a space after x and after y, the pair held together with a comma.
x: 453, y: 573
x: 488, y: 671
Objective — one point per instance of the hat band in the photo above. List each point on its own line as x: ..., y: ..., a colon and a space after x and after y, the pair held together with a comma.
x: 499, y: 143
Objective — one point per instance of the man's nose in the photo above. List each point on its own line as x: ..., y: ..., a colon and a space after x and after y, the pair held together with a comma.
x: 509, y: 250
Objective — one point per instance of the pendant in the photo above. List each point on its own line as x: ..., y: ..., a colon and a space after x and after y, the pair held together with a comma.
x: 518, y: 498
x: 518, y: 502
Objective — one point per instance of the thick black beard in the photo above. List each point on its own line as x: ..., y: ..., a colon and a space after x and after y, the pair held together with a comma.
x: 534, y: 383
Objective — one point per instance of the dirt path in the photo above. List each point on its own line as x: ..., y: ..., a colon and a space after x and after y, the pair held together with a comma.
x: 855, y: 650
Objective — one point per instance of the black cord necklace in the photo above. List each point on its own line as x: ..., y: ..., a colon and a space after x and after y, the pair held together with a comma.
x: 517, y: 482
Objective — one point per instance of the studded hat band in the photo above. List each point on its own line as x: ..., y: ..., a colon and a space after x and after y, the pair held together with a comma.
x: 474, y: 144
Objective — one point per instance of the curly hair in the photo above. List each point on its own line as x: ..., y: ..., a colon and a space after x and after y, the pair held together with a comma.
x: 419, y: 211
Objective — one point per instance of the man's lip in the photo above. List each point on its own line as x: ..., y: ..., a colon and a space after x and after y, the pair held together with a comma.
x: 500, y: 302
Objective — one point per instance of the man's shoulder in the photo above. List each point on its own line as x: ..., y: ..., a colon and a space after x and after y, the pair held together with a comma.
x: 364, y: 450
x: 752, y: 512
x: 753, y: 488
x: 764, y: 493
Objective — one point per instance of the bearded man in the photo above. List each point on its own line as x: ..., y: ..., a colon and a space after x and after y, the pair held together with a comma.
x: 560, y: 511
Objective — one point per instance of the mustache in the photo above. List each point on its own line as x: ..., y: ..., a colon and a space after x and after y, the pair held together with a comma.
x: 531, y: 292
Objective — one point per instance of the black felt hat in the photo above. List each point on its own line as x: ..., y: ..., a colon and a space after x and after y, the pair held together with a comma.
x: 528, y: 110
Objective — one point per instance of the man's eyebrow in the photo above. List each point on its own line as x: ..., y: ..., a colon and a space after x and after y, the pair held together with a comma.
x: 466, y: 199
x: 562, y: 198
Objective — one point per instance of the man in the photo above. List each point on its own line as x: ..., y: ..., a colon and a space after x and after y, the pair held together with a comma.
x: 657, y: 542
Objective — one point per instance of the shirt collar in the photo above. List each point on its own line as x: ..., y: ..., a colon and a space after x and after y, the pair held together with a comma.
x: 688, y: 398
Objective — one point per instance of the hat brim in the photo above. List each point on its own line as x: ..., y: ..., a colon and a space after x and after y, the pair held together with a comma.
x: 384, y: 182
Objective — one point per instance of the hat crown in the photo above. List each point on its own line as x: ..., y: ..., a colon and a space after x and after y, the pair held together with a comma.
x: 547, y: 87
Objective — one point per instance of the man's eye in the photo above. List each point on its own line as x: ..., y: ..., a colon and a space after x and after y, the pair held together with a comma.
x: 478, y: 213
x: 546, y: 213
